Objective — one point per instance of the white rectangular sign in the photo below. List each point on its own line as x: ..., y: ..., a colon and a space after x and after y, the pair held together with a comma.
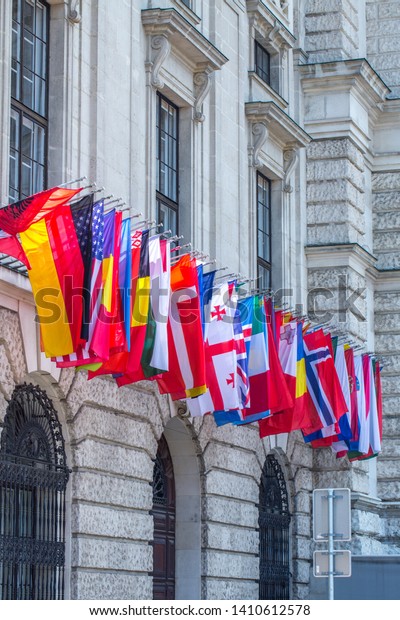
x: 341, y: 563
x: 341, y: 514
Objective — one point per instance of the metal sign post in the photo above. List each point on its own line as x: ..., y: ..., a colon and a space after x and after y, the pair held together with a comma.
x: 331, y: 521
x: 331, y: 534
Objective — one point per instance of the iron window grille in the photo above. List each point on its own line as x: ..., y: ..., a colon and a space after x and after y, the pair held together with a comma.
x: 262, y: 63
x: 263, y: 232
x: 33, y: 480
x: 167, y: 135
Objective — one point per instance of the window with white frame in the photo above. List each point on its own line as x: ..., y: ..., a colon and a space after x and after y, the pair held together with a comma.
x: 167, y: 187
x: 263, y: 232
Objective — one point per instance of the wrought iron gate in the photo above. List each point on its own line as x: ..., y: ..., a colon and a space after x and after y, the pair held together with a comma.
x: 33, y: 479
x: 274, y: 521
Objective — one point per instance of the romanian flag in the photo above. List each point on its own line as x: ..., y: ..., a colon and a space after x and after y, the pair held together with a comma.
x: 56, y: 275
x: 18, y: 216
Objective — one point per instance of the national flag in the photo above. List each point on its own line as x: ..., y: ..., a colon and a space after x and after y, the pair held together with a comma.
x: 125, y: 278
x: 349, y: 357
x: 186, y: 375
x: 220, y: 354
x: 18, y: 216
x: 82, y: 213
x: 155, y: 352
x: 140, y: 312
x: 119, y: 328
x: 11, y: 246
x: 52, y: 249
x: 323, y: 386
x: 369, y: 444
x: 245, y: 308
x: 100, y: 337
x: 83, y: 354
x: 291, y: 356
x: 269, y: 393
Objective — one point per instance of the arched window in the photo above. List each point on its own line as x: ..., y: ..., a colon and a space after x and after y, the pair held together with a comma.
x: 274, y: 520
x: 33, y: 479
x: 164, y: 525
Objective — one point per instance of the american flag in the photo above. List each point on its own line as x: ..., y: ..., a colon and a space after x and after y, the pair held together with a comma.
x: 83, y: 353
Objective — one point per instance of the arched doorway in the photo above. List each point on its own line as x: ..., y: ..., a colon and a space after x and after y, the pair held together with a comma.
x: 274, y: 521
x: 33, y: 479
x: 164, y: 524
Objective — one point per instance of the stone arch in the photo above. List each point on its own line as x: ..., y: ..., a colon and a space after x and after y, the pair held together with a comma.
x: 181, y: 442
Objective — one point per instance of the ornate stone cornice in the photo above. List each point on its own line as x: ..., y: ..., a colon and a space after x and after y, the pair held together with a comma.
x: 341, y: 255
x: 356, y: 76
x: 194, y: 49
x: 283, y: 129
x: 266, y: 18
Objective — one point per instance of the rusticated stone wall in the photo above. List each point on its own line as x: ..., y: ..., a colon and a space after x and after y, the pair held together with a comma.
x: 383, y: 43
x: 335, y: 192
x: 331, y: 30
x: 386, y: 206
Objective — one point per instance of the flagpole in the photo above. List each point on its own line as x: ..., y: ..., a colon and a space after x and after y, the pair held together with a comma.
x: 72, y: 182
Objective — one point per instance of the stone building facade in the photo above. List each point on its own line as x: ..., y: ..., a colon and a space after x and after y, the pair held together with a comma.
x: 321, y: 128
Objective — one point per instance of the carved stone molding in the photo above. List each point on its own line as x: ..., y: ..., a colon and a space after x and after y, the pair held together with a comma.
x: 182, y: 410
x: 162, y: 47
x: 260, y: 135
x: 202, y: 83
x: 290, y: 160
x: 74, y: 11
x: 282, y: 129
x: 266, y: 17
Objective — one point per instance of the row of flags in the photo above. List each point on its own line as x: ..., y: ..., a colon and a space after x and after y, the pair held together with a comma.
x: 111, y: 300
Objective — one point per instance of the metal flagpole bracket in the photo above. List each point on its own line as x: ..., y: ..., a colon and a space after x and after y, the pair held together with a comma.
x: 72, y: 182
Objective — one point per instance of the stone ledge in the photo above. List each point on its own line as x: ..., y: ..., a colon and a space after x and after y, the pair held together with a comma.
x: 341, y: 255
x: 195, y: 48
x: 283, y: 128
